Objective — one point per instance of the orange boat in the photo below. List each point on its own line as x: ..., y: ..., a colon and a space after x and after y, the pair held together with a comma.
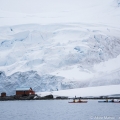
x: 78, y: 102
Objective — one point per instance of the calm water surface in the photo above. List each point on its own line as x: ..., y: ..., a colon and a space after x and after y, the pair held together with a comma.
x: 58, y: 110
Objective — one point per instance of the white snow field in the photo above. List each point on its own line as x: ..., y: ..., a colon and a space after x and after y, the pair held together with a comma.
x: 14, y: 12
x: 56, y: 45
x: 98, y: 91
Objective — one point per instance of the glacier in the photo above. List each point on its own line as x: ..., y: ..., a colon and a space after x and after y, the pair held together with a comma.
x: 76, y: 46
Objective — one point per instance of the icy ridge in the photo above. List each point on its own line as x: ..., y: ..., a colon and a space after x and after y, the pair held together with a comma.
x: 49, y: 82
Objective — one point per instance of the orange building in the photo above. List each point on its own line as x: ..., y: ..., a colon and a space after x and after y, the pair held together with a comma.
x: 24, y: 91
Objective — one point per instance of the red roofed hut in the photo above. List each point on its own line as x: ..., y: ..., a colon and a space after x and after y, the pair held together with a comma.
x: 24, y: 91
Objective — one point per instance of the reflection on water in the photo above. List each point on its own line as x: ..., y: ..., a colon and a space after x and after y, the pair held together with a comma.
x: 58, y: 110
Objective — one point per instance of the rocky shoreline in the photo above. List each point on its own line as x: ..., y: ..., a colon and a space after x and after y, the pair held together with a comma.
x: 48, y: 97
x: 30, y: 97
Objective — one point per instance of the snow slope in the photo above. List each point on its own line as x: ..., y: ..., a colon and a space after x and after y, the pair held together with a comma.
x: 60, y: 11
x: 50, y: 45
x: 86, y: 92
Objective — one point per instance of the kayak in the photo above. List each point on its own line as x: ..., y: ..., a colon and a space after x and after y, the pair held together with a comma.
x: 79, y: 102
x: 117, y: 102
x: 109, y: 102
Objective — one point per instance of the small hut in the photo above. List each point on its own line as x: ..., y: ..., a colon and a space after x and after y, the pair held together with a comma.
x: 3, y: 94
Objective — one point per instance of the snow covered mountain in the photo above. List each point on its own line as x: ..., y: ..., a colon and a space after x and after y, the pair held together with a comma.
x: 55, y: 45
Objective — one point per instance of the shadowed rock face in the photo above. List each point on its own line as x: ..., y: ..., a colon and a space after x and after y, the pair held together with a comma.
x: 32, y: 79
x: 51, y: 83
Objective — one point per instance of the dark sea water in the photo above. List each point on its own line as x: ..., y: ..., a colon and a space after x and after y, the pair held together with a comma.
x: 58, y: 110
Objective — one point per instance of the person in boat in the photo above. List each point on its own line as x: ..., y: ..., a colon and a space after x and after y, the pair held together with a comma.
x: 118, y: 100
x: 73, y: 100
x: 79, y: 99
x: 106, y: 100
x: 112, y: 100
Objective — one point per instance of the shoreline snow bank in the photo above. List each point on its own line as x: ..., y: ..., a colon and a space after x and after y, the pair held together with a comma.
x: 83, y: 92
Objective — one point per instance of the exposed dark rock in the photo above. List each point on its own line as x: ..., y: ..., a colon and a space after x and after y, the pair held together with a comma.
x: 61, y: 97
x: 48, y: 97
